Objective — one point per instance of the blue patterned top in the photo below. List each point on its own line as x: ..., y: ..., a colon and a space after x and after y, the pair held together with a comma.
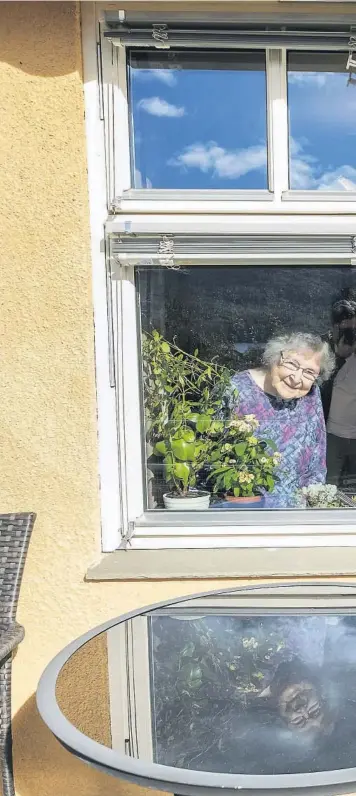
x: 298, y: 429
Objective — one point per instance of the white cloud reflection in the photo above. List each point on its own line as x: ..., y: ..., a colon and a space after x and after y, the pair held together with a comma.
x: 228, y: 163
x: 306, y: 170
x: 156, y: 106
x: 317, y: 79
x: 166, y: 76
x: 307, y: 173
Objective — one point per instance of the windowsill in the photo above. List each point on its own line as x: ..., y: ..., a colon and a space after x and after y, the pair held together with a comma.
x: 319, y: 196
x: 137, y: 200
x: 192, y: 194
x: 188, y: 564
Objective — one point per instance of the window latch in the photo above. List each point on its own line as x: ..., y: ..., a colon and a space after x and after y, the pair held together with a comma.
x: 351, y: 61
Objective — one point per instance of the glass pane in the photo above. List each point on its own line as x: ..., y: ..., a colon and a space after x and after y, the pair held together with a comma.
x: 261, y: 682
x: 257, y: 695
x: 198, y: 119
x: 241, y: 365
x: 322, y: 115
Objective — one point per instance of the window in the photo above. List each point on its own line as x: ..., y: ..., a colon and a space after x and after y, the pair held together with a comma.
x: 207, y: 110
x: 204, y: 331
x: 321, y: 130
x: 198, y: 119
x: 228, y: 221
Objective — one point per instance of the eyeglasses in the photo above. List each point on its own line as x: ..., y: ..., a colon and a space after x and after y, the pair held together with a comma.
x: 295, y: 367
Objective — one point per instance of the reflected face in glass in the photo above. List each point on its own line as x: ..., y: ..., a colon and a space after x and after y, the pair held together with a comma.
x: 344, y: 336
x: 300, y: 707
x: 295, y: 374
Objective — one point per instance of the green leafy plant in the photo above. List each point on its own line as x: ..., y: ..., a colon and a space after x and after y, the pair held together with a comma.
x: 182, y: 398
x: 241, y: 464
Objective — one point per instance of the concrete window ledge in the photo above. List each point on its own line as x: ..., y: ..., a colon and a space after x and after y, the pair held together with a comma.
x: 224, y: 563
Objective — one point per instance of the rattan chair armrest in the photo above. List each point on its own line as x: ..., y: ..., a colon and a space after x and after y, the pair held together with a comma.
x: 10, y: 638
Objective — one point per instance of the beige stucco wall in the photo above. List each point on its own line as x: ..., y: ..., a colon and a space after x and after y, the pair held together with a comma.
x: 47, y: 408
x: 47, y: 386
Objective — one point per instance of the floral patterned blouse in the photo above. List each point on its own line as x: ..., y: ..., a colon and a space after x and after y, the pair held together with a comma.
x: 298, y: 429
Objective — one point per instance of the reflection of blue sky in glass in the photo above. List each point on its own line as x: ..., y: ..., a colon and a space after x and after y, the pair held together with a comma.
x: 198, y: 119
x: 322, y: 122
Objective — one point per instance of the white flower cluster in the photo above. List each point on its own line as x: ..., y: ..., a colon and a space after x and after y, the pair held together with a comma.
x: 319, y: 495
x: 245, y: 424
x: 250, y: 643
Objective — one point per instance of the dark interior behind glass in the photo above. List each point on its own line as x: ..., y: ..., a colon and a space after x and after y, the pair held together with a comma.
x: 228, y: 313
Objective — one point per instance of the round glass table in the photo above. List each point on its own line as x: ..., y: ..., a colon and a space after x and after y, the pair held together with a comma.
x: 251, y: 688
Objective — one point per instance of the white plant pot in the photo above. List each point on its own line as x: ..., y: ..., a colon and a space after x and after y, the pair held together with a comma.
x: 197, y: 501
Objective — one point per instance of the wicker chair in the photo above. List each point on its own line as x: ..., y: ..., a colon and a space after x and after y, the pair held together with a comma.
x: 15, y: 534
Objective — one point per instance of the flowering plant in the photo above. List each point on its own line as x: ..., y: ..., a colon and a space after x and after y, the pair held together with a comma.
x: 241, y: 464
x: 322, y: 496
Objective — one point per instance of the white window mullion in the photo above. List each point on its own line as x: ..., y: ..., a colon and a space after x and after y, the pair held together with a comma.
x: 107, y: 55
x: 116, y: 118
x: 277, y: 121
x: 127, y: 368
x: 106, y: 409
x: 121, y: 138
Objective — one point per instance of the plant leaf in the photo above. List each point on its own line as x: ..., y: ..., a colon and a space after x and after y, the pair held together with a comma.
x: 203, y: 423
x: 270, y: 444
x: 181, y: 471
x: 160, y: 448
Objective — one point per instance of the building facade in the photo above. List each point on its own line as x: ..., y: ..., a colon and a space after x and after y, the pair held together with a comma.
x: 185, y: 168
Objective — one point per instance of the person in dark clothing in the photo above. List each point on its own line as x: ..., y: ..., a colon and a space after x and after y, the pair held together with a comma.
x: 339, y: 395
x: 342, y: 339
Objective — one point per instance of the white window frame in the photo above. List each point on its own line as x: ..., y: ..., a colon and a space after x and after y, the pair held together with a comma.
x: 124, y: 521
x: 278, y: 198
x: 160, y: 528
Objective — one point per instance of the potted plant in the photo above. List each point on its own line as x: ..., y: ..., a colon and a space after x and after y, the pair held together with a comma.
x: 323, y: 496
x: 242, y: 467
x: 182, y: 396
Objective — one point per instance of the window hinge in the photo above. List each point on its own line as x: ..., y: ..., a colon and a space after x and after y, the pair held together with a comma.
x: 165, y: 249
x: 110, y: 317
x: 100, y: 81
x: 126, y: 538
x: 160, y: 36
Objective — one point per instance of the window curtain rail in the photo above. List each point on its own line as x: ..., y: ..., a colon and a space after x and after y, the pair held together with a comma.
x: 169, y: 249
x: 165, y: 35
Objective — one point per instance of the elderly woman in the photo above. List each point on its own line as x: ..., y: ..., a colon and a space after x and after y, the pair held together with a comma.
x: 284, y: 396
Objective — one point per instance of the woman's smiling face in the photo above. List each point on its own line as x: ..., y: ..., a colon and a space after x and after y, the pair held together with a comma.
x: 295, y: 374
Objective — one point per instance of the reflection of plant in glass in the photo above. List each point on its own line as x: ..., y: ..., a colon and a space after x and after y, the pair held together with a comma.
x: 204, y: 669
